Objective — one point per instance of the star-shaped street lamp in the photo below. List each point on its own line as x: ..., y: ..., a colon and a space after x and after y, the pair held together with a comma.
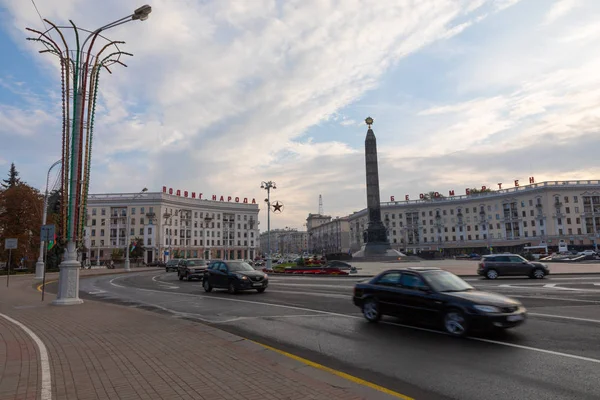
x: 268, y: 186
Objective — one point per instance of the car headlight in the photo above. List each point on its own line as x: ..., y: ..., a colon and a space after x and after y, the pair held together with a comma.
x: 487, y: 309
x: 242, y: 277
x: 266, y: 276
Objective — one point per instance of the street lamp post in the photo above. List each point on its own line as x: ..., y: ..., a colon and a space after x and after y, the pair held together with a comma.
x: 268, y: 186
x: 127, y: 264
x: 39, y: 265
x: 80, y: 71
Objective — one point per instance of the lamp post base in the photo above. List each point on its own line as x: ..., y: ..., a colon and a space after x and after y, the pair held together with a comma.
x: 68, y: 279
x: 39, y: 270
x: 269, y: 263
x: 127, y: 265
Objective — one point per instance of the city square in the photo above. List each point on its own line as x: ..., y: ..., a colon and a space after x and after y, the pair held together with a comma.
x: 328, y: 200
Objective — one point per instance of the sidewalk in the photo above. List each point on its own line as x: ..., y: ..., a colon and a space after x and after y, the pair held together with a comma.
x: 103, y: 351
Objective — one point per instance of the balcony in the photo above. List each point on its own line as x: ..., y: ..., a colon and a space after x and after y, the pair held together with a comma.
x: 538, y: 205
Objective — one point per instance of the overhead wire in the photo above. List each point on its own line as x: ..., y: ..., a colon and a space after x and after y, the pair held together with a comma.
x: 40, y: 15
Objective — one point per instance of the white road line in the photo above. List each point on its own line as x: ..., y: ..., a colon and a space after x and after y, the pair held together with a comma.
x: 564, y: 317
x: 319, y: 294
x: 556, y: 353
x: 114, y: 284
x: 555, y: 298
x: 312, y: 285
x: 46, y: 389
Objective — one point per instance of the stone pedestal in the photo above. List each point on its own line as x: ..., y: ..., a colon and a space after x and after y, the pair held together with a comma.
x: 68, y: 279
x: 39, y: 270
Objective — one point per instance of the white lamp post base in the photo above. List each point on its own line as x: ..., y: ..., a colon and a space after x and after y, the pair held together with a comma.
x: 127, y: 265
x: 39, y: 270
x: 68, y: 279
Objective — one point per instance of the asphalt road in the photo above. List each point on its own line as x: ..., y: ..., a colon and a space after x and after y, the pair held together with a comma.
x: 554, y: 355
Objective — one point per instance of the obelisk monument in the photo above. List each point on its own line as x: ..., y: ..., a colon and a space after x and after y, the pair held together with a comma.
x: 377, y: 244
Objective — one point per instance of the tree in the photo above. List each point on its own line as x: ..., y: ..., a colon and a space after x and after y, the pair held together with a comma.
x: 431, y: 196
x: 20, y: 217
x: 139, y: 249
x: 13, y: 178
x: 479, y: 191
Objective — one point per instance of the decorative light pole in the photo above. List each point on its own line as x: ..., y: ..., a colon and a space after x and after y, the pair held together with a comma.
x: 127, y: 264
x: 39, y: 265
x: 80, y: 71
x: 268, y: 186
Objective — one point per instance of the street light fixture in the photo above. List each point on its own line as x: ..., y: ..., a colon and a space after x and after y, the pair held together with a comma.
x: 127, y: 264
x: 39, y: 265
x: 80, y: 71
x: 268, y: 186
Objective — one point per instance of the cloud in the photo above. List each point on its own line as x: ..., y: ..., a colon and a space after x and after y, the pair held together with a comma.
x: 559, y: 9
x: 220, y: 95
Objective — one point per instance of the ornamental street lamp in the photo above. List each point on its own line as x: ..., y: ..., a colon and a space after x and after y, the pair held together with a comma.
x: 128, y: 233
x: 80, y: 71
x: 268, y: 186
x: 39, y: 265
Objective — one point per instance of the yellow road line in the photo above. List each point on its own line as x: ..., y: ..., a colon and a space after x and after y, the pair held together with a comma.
x: 39, y: 288
x: 341, y: 374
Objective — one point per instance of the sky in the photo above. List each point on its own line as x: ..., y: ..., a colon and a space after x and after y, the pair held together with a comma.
x: 222, y: 95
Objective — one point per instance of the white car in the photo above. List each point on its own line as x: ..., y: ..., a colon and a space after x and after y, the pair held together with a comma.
x: 587, y: 253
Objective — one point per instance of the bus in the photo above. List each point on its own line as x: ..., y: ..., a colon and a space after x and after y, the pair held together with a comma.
x: 537, y: 251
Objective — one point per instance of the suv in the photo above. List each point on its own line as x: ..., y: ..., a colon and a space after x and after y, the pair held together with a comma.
x: 172, y: 265
x: 192, y: 268
x: 495, y: 265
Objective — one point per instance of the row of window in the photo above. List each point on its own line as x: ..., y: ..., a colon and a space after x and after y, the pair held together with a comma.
x: 174, y: 242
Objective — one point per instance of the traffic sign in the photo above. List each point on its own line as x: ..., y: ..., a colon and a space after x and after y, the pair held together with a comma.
x: 10, y: 244
x: 47, y: 233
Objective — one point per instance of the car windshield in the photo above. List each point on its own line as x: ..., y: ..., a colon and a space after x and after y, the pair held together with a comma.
x: 239, y: 266
x: 193, y: 263
x: 444, y: 281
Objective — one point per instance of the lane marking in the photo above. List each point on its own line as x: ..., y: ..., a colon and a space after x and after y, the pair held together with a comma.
x: 565, y: 317
x: 566, y: 355
x: 335, y: 372
x: 39, y: 287
x: 555, y: 298
x: 46, y: 388
x: 319, y: 294
x: 311, y: 285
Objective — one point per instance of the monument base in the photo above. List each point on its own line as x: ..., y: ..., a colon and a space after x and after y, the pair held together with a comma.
x: 377, y: 251
x: 68, y: 279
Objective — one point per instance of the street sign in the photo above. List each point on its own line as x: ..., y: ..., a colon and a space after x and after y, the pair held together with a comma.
x: 47, y: 234
x: 10, y: 244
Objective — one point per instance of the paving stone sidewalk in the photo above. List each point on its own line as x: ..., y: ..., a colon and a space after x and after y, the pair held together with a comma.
x: 105, y: 351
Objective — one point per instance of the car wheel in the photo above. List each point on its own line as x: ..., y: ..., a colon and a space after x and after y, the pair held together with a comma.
x: 206, y: 286
x: 180, y: 276
x: 370, y: 310
x: 491, y: 274
x: 187, y: 278
x: 455, y: 323
x: 538, y: 273
x: 231, y: 289
x: 166, y: 269
x: 261, y: 290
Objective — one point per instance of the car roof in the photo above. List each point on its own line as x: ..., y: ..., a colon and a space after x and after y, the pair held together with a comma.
x: 413, y: 269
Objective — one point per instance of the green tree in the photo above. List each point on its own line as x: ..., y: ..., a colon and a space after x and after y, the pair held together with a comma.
x: 13, y: 178
x: 139, y: 249
x: 117, y: 254
x: 478, y: 191
x: 431, y: 196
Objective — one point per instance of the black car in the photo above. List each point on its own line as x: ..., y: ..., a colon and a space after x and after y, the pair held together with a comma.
x: 437, y: 296
x: 172, y: 265
x: 494, y: 265
x: 234, y: 275
x: 192, y: 268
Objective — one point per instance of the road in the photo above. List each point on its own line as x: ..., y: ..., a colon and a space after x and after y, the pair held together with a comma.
x: 554, y: 355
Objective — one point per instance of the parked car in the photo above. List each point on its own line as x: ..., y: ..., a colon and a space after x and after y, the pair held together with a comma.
x: 192, y: 268
x: 492, y: 266
x: 587, y: 253
x: 436, y: 296
x: 156, y: 263
x: 234, y: 275
x: 172, y: 265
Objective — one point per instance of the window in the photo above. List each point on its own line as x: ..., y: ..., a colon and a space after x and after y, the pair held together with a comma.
x: 578, y: 220
x: 530, y: 203
x: 93, y: 211
x: 568, y: 221
x: 93, y: 222
x: 149, y: 242
x: 568, y: 210
x: 103, y: 211
x: 410, y: 281
x: 93, y: 242
x: 575, y: 199
x: 559, y: 221
x: 142, y: 210
x: 132, y: 210
x: 576, y: 209
x: 101, y: 232
x: 150, y: 231
x: 141, y: 231
x: 566, y: 199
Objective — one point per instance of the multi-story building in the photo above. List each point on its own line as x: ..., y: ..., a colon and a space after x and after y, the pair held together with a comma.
x: 506, y: 220
x: 171, y: 226
x: 327, y: 235
x: 284, y: 241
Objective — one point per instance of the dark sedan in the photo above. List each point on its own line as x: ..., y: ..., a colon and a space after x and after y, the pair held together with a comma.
x: 235, y: 276
x: 438, y: 296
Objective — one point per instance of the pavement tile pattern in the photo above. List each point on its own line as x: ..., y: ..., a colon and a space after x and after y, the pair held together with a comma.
x: 105, y: 351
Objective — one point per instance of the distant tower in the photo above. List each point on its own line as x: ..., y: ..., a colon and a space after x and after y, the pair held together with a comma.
x: 320, y: 205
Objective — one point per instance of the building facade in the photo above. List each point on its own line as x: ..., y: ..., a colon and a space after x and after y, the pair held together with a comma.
x: 539, y: 213
x: 284, y: 241
x: 170, y: 226
x: 327, y: 235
